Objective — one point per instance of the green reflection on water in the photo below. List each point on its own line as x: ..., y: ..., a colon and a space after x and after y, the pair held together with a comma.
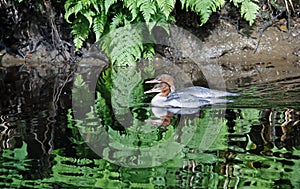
x: 227, y: 162
x: 248, y: 147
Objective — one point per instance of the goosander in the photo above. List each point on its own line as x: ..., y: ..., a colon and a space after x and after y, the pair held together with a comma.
x: 165, y: 98
x: 197, y: 91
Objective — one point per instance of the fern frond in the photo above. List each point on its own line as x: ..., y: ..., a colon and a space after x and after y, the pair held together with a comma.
x: 147, y: 8
x: 236, y: 2
x: 99, y: 25
x: 108, y: 4
x: 80, y: 30
x: 220, y: 3
x: 126, y: 57
x: 72, y: 7
x: 125, y: 83
x: 160, y: 20
x: 203, y: 7
x: 88, y: 15
x: 249, y: 11
x: 118, y: 20
x: 105, y: 43
x: 166, y: 6
x: 148, y: 52
x: 132, y: 7
x: 124, y: 46
x: 96, y: 4
x: 69, y: 3
x: 183, y: 4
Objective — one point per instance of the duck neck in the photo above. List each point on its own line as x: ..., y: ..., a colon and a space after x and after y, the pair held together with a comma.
x: 158, y: 100
x: 172, y: 89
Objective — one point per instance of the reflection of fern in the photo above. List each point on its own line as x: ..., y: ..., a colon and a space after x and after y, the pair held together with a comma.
x: 127, y: 90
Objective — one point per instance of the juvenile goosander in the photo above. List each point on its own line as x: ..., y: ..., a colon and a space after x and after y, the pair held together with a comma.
x: 165, y: 98
x: 197, y: 91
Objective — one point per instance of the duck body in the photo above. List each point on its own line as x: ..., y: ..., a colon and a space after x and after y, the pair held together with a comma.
x: 178, y: 100
x: 166, y: 98
x: 195, y: 91
x: 202, y: 92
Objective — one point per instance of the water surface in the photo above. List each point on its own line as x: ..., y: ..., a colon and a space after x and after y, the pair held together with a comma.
x: 252, y: 142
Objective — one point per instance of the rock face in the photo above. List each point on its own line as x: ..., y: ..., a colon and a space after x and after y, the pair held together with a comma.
x: 260, y: 57
x: 274, y: 58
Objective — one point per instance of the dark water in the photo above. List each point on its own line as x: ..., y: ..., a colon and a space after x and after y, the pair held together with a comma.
x: 52, y: 138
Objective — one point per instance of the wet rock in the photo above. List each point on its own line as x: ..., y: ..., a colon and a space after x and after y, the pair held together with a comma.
x: 93, y: 55
x: 2, y: 52
x: 192, y: 69
x: 10, y: 60
x: 296, y: 52
x: 239, y: 57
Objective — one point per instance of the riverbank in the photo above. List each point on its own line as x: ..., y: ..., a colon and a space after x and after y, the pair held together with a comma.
x: 251, y: 57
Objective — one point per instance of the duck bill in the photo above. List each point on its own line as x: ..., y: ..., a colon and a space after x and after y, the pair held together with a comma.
x: 153, y: 81
x: 152, y: 91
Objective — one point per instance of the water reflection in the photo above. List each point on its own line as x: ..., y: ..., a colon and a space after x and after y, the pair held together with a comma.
x: 187, y: 101
x: 163, y: 115
x: 278, y: 129
x: 31, y: 114
x: 251, y: 143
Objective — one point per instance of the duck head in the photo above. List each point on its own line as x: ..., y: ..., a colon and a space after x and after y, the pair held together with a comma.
x: 164, y: 78
x: 162, y: 88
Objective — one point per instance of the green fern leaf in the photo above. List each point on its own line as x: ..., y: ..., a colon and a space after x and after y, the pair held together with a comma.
x: 105, y: 43
x: 160, y: 20
x: 78, y: 41
x: 249, y: 11
x: 118, y: 20
x: 183, y: 4
x: 124, y: 45
x: 99, y: 25
x: 96, y: 4
x: 220, y: 3
x: 88, y: 15
x: 124, y: 58
x: 80, y: 30
x: 236, y: 2
x: 125, y: 82
x: 203, y: 7
x: 148, y: 52
x: 148, y: 8
x: 72, y: 10
x: 129, y: 48
x: 166, y: 6
x: 68, y: 4
x: 108, y: 4
x: 132, y: 6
